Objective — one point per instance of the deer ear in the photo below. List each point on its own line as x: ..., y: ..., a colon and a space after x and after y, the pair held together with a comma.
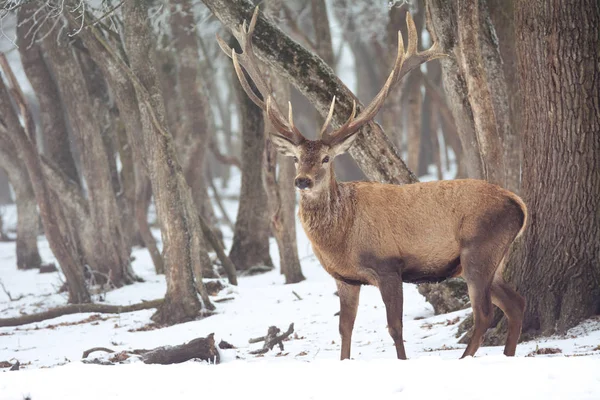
x: 343, y: 144
x: 283, y: 145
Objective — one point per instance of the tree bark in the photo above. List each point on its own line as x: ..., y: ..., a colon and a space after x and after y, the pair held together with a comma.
x: 182, y: 236
x: 557, y: 266
x: 5, y: 196
x: 373, y: 150
x: 502, y: 15
x: 280, y: 187
x: 109, y: 256
x: 250, y: 246
x: 474, y: 82
x: 127, y: 103
x: 414, y: 102
x: 55, y: 135
x: 194, y: 134
x: 56, y: 225
x: 28, y: 255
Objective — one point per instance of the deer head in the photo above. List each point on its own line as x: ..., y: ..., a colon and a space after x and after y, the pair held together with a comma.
x: 313, y: 158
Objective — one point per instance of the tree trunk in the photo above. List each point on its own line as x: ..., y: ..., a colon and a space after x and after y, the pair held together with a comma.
x: 502, y: 15
x: 280, y: 189
x: 474, y: 82
x: 372, y: 150
x: 109, y: 258
x: 367, y: 78
x: 414, y: 102
x: 194, y: 135
x: 56, y: 143
x: 129, y: 111
x: 55, y: 224
x: 28, y: 255
x: 182, y: 236
x: 5, y: 196
x: 251, y: 234
x: 557, y: 266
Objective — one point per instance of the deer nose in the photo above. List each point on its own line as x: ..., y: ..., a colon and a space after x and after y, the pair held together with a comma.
x: 303, y: 183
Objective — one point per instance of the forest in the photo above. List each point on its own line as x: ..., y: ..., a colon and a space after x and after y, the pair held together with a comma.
x: 274, y: 185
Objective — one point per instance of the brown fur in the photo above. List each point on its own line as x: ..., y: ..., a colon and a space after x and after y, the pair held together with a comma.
x: 383, y: 235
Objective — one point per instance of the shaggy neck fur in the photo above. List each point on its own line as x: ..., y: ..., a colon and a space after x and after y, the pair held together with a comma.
x: 326, y: 211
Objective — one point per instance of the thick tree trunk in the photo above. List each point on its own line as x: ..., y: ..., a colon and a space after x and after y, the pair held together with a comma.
x: 182, y: 236
x: 373, y: 150
x: 251, y: 234
x: 56, y: 226
x: 557, y: 266
x: 28, y: 255
x: 56, y: 144
x: 109, y: 257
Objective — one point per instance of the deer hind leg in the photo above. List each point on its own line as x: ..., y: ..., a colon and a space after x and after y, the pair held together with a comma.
x: 391, y: 292
x: 513, y: 306
x: 478, y: 271
x: 349, y: 295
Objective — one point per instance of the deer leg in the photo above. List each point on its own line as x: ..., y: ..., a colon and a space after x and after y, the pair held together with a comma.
x: 349, y: 295
x: 513, y: 306
x: 391, y: 292
x: 478, y: 271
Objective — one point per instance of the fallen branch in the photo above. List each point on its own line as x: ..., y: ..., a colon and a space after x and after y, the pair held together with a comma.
x: 78, y: 308
x: 201, y: 348
x: 94, y: 349
x: 272, y: 339
x: 297, y: 295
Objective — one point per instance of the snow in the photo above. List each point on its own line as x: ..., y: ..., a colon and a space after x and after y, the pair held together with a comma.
x: 308, y: 368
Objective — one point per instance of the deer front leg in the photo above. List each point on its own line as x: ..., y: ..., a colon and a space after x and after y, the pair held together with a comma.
x: 349, y: 295
x: 391, y: 292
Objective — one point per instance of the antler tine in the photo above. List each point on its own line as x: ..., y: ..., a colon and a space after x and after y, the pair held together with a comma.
x: 247, y: 59
x: 244, y: 82
x: 406, y: 61
x: 323, y: 131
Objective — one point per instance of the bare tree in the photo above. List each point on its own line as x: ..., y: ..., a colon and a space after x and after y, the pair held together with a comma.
x: 127, y: 103
x: 250, y: 246
x: 110, y: 256
x: 182, y: 236
x: 55, y: 135
x: 280, y: 190
x: 28, y: 255
x: 56, y: 226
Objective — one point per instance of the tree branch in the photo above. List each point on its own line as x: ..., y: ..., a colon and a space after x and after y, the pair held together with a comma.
x: 373, y: 151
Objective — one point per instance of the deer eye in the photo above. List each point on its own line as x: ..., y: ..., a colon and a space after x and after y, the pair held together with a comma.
x: 296, y: 159
x: 326, y: 159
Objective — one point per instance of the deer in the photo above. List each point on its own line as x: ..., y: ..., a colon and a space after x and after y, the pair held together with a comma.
x: 370, y: 233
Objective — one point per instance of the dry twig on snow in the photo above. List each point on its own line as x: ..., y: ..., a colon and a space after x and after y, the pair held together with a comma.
x: 272, y: 339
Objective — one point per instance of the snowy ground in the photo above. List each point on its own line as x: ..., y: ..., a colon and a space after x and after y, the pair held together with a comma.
x: 308, y: 368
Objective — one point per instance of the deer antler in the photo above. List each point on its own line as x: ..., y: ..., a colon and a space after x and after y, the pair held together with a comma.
x: 247, y: 59
x: 405, y: 62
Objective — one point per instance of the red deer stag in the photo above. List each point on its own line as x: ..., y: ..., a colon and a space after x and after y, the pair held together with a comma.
x: 368, y: 233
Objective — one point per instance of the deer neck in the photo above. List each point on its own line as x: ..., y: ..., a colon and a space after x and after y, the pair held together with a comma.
x: 327, y: 212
